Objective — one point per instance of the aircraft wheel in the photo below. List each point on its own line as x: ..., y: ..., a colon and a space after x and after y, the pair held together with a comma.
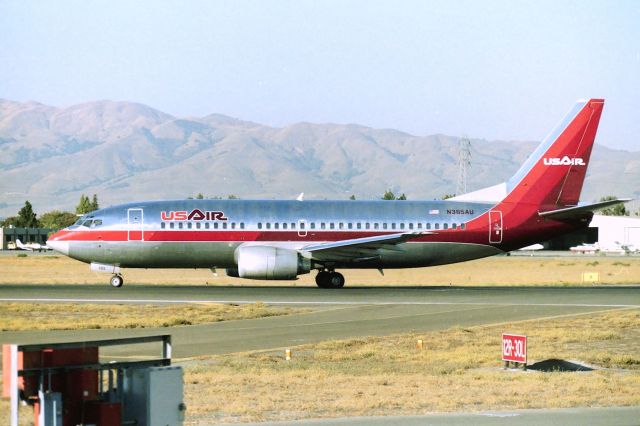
x: 322, y: 279
x: 336, y: 280
x: 116, y: 281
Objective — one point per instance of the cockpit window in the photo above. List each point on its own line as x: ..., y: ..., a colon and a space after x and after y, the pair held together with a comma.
x: 96, y: 222
x: 87, y: 223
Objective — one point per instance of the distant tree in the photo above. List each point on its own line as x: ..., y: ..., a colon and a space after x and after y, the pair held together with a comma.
x: 402, y: 197
x: 84, y: 206
x: 199, y: 196
x: 353, y: 197
x: 94, y: 203
x: 617, y: 210
x: 233, y: 197
x: 447, y: 196
x: 10, y: 221
x: 389, y: 195
x: 56, y: 219
x: 26, y: 217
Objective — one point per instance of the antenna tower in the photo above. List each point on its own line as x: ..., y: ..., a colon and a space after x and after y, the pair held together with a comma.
x: 464, y: 162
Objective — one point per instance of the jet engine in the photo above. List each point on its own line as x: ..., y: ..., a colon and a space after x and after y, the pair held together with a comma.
x: 269, y: 263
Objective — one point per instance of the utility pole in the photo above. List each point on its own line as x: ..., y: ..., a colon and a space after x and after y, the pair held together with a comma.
x: 464, y: 162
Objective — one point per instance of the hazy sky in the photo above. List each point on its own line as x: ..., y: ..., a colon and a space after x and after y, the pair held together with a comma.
x: 490, y: 69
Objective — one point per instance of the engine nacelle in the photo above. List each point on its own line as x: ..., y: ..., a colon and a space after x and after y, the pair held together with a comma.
x: 270, y: 263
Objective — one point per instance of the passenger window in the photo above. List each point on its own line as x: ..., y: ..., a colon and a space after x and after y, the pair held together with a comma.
x: 268, y: 225
x: 224, y: 225
x: 302, y: 224
x: 233, y: 225
x: 215, y: 225
x: 206, y: 225
x: 332, y: 225
x: 393, y: 226
x: 276, y: 225
x: 323, y: 226
x: 341, y: 225
x: 350, y: 226
x: 376, y: 225
x: 259, y: 225
x: 189, y: 225
x: 419, y: 225
x: 312, y: 225
x: 284, y: 225
x: 241, y: 225
x: 293, y: 225
x: 454, y: 226
x: 180, y: 225
x: 411, y: 226
x: 171, y: 225
x: 445, y: 226
x: 437, y: 226
x: 367, y: 225
x: 162, y: 225
x: 384, y: 225
x: 428, y: 225
x: 359, y: 225
x: 462, y: 226
x: 197, y: 225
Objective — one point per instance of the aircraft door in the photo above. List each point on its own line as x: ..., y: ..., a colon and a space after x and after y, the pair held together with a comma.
x: 495, y: 227
x: 302, y: 228
x: 135, y: 219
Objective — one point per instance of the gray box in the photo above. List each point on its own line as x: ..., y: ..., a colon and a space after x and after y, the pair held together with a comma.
x: 153, y: 396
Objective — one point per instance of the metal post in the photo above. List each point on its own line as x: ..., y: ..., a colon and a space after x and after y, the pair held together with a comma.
x: 166, y: 347
x: 14, y: 385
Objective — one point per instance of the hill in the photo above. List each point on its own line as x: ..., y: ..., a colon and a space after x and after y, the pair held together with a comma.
x: 126, y: 151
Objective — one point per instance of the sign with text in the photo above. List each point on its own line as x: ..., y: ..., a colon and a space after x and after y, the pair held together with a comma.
x: 514, y: 348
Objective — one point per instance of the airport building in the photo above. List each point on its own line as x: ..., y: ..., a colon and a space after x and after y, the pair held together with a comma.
x: 9, y: 235
x: 616, y: 230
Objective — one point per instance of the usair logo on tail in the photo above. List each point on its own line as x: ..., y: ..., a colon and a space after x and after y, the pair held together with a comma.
x: 564, y: 161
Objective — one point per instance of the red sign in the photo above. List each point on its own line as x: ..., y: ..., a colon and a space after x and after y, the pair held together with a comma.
x: 514, y: 348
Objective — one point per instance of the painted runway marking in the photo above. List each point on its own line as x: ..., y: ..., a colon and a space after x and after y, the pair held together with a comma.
x: 319, y: 302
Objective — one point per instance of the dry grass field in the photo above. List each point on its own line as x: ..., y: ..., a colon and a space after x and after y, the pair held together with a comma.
x: 73, y: 316
x: 501, y: 270
x: 459, y: 370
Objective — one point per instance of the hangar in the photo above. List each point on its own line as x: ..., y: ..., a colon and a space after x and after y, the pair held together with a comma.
x: 613, y: 230
x: 9, y: 235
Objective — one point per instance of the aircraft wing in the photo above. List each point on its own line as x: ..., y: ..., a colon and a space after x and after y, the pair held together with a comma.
x: 578, y: 211
x: 359, y: 249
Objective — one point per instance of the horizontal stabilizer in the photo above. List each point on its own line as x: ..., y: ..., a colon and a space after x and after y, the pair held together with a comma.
x: 578, y: 211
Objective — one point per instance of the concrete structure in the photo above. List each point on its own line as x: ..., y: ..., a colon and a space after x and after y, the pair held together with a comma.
x: 613, y: 230
x: 26, y: 235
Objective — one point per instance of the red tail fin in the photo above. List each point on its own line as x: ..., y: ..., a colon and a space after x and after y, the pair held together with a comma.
x: 553, y: 175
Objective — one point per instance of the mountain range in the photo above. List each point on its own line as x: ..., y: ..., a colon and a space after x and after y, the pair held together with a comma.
x: 125, y: 151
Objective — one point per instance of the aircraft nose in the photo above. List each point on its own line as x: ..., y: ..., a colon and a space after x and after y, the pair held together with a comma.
x: 58, y: 245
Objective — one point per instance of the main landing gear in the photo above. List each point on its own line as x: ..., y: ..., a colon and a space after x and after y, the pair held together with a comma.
x: 116, y: 281
x: 330, y: 279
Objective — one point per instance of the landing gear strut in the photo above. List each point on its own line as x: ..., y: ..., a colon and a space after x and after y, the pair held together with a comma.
x: 330, y: 279
x: 116, y: 281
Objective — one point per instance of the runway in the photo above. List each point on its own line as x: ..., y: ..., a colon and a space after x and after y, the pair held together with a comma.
x: 334, y: 314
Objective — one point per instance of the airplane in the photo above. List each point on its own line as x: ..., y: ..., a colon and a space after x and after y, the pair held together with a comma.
x: 585, y: 248
x: 31, y: 246
x: 282, y: 239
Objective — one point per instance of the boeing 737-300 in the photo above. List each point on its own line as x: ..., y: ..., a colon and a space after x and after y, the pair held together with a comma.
x: 279, y: 240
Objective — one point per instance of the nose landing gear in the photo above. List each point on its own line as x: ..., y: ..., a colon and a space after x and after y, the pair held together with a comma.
x: 330, y: 279
x: 116, y: 281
